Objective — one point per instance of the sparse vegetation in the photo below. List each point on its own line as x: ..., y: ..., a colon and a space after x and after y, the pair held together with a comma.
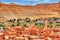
x: 27, y: 22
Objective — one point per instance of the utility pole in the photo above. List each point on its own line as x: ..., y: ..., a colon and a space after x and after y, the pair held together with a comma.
x: 46, y: 22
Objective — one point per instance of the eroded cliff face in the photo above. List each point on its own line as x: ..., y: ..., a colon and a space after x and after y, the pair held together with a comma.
x: 10, y: 11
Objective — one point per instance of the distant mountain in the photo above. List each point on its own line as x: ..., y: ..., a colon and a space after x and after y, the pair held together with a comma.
x: 10, y: 11
x: 50, y: 7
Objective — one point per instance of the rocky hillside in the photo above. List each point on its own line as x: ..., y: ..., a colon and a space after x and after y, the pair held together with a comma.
x: 10, y: 11
x: 50, y: 7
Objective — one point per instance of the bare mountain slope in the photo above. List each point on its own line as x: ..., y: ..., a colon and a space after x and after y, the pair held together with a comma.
x: 9, y: 11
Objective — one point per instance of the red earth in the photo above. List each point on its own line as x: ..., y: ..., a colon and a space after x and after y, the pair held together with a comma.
x: 30, y: 33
